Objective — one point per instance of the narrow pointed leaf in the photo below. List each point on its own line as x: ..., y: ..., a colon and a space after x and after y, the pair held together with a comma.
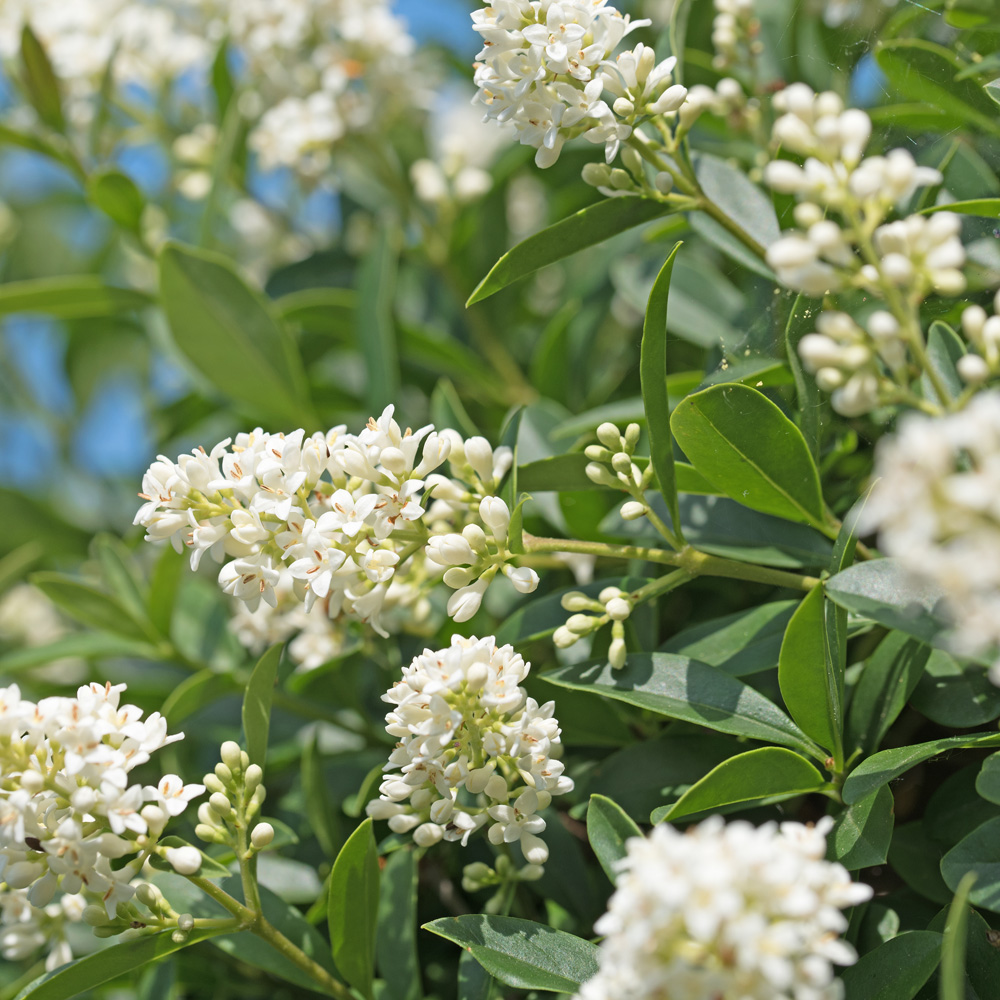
x: 376, y: 325
x: 352, y: 909
x: 257, y: 704
x: 396, y: 943
x: 82, y: 296
x: 953, y: 948
x: 653, y: 376
x: 40, y: 81
x: 591, y: 225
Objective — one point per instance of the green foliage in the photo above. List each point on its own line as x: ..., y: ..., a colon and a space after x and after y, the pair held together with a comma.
x: 608, y: 827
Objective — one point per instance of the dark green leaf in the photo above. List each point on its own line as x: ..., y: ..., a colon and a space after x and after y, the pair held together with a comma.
x: 987, y: 208
x: 396, y: 944
x: 740, y: 441
x: 681, y: 688
x: 75, y: 979
x: 956, y: 693
x: 522, y: 953
x: 883, y: 591
x: 926, y: 72
x: 653, y: 376
x: 92, y: 606
x: 163, y: 588
x: 352, y: 909
x: 591, y: 225
x: 895, y: 970
x: 608, y: 827
x: 319, y: 809
x: 889, y: 676
x: 988, y: 779
x: 86, y: 645
x: 17, y: 562
x: 944, y: 348
x: 40, y: 81
x: 811, y: 673
x: 81, y: 296
x: 771, y: 773
x: 474, y: 982
x: 229, y: 334
x: 883, y: 767
x: 916, y: 858
x: 222, y: 80
x: 257, y: 704
x: 116, y: 195
x: 978, y: 852
x: 861, y: 833
x: 376, y: 326
x: 743, y: 643
x: 195, y: 692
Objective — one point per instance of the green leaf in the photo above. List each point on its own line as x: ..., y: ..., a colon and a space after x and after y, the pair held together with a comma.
x: 75, y: 979
x: 883, y: 591
x: 40, y: 81
x: 846, y: 543
x: 979, y: 853
x: 883, y: 767
x: 116, y: 195
x: 521, y: 953
x: 195, y: 692
x: 802, y: 320
x: 257, y: 704
x: 926, y: 72
x: 888, y: 679
x: 115, y: 561
x: 738, y: 197
x: 811, y: 673
x: 86, y: 645
x: 591, y: 225
x: 740, y: 441
x: 953, y: 947
x: 742, y: 643
x: 163, y: 588
x: 396, y: 943
x: 653, y: 377
x: 988, y: 779
x: 955, y: 693
x: 376, y: 327
x: 222, y: 80
x: 944, y: 348
x: 352, y: 910
x: 771, y: 773
x: 895, y: 970
x: 608, y: 827
x: 319, y: 810
x: 682, y: 688
x: 986, y: 208
x: 916, y: 858
x: 83, y: 296
x: 230, y: 335
x: 861, y: 833
x: 92, y: 606
x: 17, y: 562
x: 474, y: 982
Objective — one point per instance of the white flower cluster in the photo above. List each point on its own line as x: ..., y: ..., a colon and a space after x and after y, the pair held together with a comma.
x: 29, y: 618
x: 546, y: 64
x: 26, y: 929
x: 474, y: 750
x: 67, y: 809
x: 936, y: 506
x: 727, y: 911
x: 913, y: 256
x: 315, y: 69
x: 983, y: 333
x: 341, y: 510
x: 845, y: 358
x: 734, y: 33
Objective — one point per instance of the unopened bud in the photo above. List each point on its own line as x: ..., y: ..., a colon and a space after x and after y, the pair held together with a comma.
x: 618, y: 609
x: 231, y: 756
x: 609, y: 435
x: 597, y: 453
x: 253, y: 777
x: 576, y: 600
x: 184, y: 860
x: 664, y: 182
x: 972, y: 369
x: 185, y: 923
x: 632, y: 509
x: 224, y: 774
x: 624, y: 108
x: 621, y: 180
x: 563, y: 638
x: 596, y: 174
x: 213, y: 784
x: 617, y: 653
x: 581, y: 624
x: 600, y: 475
x: 95, y: 916
x: 631, y: 159
x: 622, y: 463
x: 632, y: 433
x: 263, y: 834
x: 220, y: 804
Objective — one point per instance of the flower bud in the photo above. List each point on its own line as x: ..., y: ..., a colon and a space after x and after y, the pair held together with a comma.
x: 624, y: 108
x: 262, y: 835
x: 972, y: 369
x: 427, y: 834
x: 495, y: 515
x: 464, y: 603
x: 253, y: 777
x: 618, y: 609
x: 231, y: 756
x: 622, y: 463
x: 632, y: 509
x: 476, y: 875
x: 220, y: 804
x: 184, y: 860
x: 224, y: 774
x: 632, y: 160
x: 530, y: 873
x: 459, y: 576
x: 609, y: 594
x: 524, y: 578
x: 600, y: 475
x: 609, y: 436
x: 617, y: 653
x: 148, y: 895
x: 156, y: 819
x: 632, y: 433
x: 476, y: 538
x: 664, y: 182
x: 213, y: 784
x: 95, y: 916
x: 670, y: 100
x: 185, y: 923
x: 479, y: 454
x: 563, y: 638
x: 581, y: 624
x: 496, y: 788
x: 596, y: 174
x: 621, y: 180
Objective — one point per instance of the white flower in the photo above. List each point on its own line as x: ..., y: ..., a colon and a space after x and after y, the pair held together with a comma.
x: 459, y: 714
x: 733, y: 911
